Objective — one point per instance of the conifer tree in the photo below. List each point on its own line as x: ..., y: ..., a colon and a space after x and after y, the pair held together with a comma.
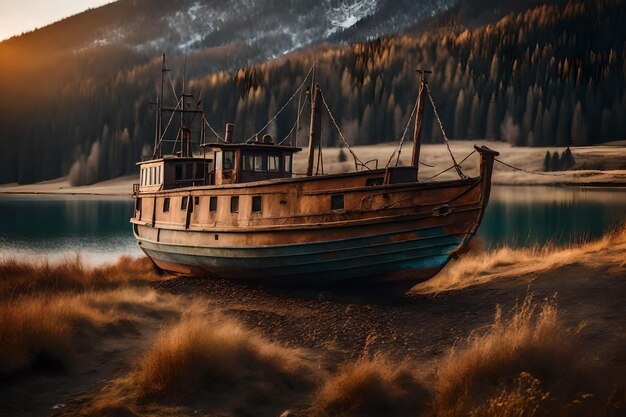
x: 579, y: 127
x: 492, y: 120
x: 546, y: 161
x: 555, y: 162
x: 460, y: 117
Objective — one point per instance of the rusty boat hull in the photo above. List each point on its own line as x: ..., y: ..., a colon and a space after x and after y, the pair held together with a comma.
x: 396, y: 234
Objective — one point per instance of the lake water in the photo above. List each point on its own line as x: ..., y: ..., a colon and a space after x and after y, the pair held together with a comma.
x: 99, y: 230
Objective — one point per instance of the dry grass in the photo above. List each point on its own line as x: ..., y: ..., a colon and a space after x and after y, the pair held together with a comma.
x: 479, y: 267
x: 485, y: 374
x: 524, y: 399
x: 45, y: 306
x: 199, y: 355
x: 19, y: 277
x: 371, y: 387
x: 42, y: 331
x: 208, y: 362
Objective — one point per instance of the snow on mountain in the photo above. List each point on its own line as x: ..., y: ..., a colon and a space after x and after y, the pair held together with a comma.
x: 268, y: 27
x: 348, y: 14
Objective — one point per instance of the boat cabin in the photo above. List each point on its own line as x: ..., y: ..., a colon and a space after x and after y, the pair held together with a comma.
x: 174, y: 172
x: 226, y: 163
x: 240, y: 163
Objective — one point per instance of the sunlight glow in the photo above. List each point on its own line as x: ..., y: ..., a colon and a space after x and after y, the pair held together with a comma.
x: 18, y: 17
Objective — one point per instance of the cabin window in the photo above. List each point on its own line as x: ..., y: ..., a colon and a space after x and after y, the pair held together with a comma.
x: 229, y: 159
x: 247, y: 162
x: 218, y: 160
x: 336, y: 202
x: 273, y: 163
x: 188, y: 171
x: 288, y: 163
x: 166, y: 205
x: 199, y: 171
x: 374, y: 181
x: 178, y: 175
x: 183, y: 203
x: 213, y: 204
x: 234, y: 204
x: 260, y: 163
x: 196, y: 200
x: 256, y: 203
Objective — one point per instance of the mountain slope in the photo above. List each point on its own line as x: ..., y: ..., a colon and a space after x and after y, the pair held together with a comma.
x: 268, y: 27
x: 550, y: 75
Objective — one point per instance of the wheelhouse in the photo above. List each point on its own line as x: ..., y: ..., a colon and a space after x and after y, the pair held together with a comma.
x: 240, y: 163
x: 225, y: 163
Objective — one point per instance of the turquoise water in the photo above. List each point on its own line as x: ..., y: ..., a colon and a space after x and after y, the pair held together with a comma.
x: 99, y: 230
x: 526, y: 216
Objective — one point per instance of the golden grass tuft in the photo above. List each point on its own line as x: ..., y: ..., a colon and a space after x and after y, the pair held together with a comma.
x: 41, y: 330
x: 371, y: 387
x: 18, y: 277
x: 479, y: 267
x: 218, y: 355
x: 531, y: 342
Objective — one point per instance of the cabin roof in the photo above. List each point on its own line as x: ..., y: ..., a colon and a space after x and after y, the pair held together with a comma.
x: 253, y: 146
x: 174, y: 158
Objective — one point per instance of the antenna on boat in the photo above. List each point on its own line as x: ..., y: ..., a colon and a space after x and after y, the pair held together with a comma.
x: 419, y: 118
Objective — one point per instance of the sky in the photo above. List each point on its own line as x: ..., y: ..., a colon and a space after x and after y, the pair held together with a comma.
x: 25, y: 15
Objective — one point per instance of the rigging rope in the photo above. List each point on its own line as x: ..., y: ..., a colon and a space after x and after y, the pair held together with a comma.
x: 398, y: 148
x: 284, y: 105
x: 497, y: 160
x: 332, y: 118
x: 172, y: 84
x: 443, y: 131
x: 213, y: 130
x: 169, y: 122
x: 295, y: 124
x: 455, y: 165
x: 526, y: 171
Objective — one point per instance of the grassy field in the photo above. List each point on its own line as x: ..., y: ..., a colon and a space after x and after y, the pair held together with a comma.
x: 498, y: 333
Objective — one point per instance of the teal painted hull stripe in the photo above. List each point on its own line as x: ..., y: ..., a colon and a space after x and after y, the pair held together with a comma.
x: 332, y: 264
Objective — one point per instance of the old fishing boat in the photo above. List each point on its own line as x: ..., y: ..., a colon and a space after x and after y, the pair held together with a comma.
x: 237, y: 210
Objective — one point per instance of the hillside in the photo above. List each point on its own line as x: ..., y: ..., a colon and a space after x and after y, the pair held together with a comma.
x: 552, y: 75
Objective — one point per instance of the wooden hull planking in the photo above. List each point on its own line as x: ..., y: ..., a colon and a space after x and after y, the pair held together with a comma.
x: 401, y: 233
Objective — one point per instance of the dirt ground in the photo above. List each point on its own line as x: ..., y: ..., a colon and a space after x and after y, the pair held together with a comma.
x: 588, y: 281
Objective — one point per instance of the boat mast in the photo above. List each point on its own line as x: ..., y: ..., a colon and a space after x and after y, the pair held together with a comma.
x: 419, y: 120
x: 315, y: 128
x: 157, y: 144
x: 184, y: 147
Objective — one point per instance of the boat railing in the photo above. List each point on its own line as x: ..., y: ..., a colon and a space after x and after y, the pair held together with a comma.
x: 365, y: 165
x: 135, y: 188
x: 189, y: 183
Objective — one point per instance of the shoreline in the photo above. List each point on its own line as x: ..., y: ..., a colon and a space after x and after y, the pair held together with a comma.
x: 597, y: 166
